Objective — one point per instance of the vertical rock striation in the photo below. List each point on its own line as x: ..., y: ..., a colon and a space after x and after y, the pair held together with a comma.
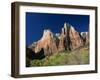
x: 68, y: 39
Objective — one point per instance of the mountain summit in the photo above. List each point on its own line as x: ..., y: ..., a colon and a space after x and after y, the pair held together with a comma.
x: 69, y: 39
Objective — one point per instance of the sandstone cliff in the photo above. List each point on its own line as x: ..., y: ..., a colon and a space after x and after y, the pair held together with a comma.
x: 68, y: 39
x: 85, y: 37
x: 48, y: 42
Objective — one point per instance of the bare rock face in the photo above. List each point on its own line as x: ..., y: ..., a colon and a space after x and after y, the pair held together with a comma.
x: 48, y: 42
x: 32, y: 46
x: 68, y: 39
x: 75, y: 38
x: 85, y: 37
x: 62, y: 41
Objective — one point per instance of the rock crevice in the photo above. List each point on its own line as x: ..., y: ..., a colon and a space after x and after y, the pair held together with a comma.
x: 68, y: 39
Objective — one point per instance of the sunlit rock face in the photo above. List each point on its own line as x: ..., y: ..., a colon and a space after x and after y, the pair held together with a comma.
x: 48, y: 42
x: 68, y: 39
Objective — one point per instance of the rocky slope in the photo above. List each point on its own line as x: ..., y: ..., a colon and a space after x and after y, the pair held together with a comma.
x: 69, y: 39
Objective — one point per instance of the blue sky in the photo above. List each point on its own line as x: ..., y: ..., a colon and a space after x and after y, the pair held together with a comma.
x: 37, y: 22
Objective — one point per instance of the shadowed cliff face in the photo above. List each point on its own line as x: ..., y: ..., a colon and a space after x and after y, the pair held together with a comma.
x: 69, y: 39
x: 31, y: 55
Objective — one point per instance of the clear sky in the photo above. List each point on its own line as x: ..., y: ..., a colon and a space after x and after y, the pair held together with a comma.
x: 37, y: 22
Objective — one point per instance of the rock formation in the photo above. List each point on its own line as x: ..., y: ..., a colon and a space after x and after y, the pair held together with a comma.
x: 68, y: 39
x: 48, y: 42
x: 85, y: 37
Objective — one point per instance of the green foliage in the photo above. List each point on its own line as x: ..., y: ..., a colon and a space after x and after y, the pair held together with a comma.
x: 79, y: 56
